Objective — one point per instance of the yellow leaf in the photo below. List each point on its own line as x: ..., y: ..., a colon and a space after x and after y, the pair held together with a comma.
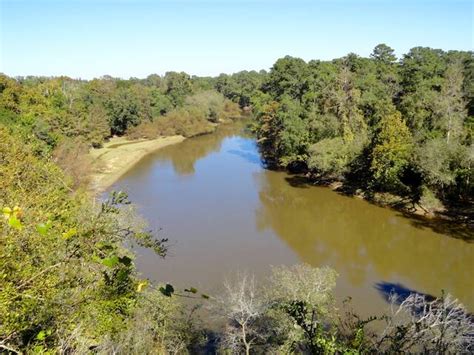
x: 6, y: 212
x: 142, y: 285
x: 70, y: 233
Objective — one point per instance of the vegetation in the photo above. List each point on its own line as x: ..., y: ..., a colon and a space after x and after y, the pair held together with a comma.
x: 295, y: 313
x: 55, y: 109
x: 379, y: 124
x: 198, y: 115
x: 68, y: 283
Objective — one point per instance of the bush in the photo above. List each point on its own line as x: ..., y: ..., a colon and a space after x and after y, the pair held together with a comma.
x: 429, y: 201
x: 329, y: 157
x: 71, y: 156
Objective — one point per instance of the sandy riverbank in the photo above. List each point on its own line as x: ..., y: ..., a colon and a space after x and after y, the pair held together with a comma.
x: 118, y: 155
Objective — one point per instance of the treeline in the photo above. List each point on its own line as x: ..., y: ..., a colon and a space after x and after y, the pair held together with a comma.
x: 404, y: 127
x: 53, y: 109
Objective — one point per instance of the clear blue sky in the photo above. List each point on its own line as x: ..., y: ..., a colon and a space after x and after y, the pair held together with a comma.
x: 90, y: 38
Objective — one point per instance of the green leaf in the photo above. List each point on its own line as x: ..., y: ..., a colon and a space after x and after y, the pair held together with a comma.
x: 15, y: 223
x: 43, y: 228
x: 206, y: 297
x: 110, y: 261
x: 41, y: 335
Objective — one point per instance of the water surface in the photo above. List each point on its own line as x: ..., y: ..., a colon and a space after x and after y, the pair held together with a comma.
x: 223, y: 212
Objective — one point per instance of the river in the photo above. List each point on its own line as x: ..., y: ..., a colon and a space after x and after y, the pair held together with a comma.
x: 223, y: 212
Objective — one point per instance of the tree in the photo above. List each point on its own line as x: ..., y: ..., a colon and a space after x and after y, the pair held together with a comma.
x: 64, y: 271
x: 244, y: 308
x: 288, y: 77
x: 178, y: 86
x: 450, y: 108
x: 419, y: 324
x: 124, y: 111
x: 10, y: 92
x: 383, y: 53
x: 437, y: 161
x: 422, y: 72
x: 392, y: 151
x: 270, y: 126
x: 330, y: 158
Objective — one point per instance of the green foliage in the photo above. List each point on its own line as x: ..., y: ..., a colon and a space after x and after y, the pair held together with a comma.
x: 304, y: 294
x: 124, y: 111
x: 198, y: 116
x: 437, y: 160
x: 376, y: 122
x: 429, y: 200
x: 60, y: 108
x: 384, y: 54
x: 240, y: 87
x: 178, y: 86
x: 66, y: 281
x: 288, y: 77
x: 392, y: 151
x: 210, y: 103
x: 158, y: 324
x: 330, y: 157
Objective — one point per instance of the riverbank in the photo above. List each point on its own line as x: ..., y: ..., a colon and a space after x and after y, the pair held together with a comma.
x: 119, y: 155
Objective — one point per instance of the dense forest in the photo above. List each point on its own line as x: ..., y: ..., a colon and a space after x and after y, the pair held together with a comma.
x: 395, y: 128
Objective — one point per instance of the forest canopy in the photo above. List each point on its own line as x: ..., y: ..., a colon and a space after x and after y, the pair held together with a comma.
x: 400, y: 126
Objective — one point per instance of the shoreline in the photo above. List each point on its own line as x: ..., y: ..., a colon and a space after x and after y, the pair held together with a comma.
x: 119, y: 155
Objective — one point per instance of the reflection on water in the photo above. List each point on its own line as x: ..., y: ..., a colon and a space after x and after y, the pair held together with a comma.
x: 360, y: 240
x: 224, y: 212
x: 185, y: 156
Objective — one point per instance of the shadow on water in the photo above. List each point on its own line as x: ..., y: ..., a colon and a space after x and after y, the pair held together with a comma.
x: 456, y: 228
x: 211, y: 345
x: 397, y: 293
x: 299, y: 181
x: 388, y: 289
x: 452, y: 228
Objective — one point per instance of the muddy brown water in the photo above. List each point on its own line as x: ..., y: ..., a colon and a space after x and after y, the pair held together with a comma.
x: 223, y: 213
